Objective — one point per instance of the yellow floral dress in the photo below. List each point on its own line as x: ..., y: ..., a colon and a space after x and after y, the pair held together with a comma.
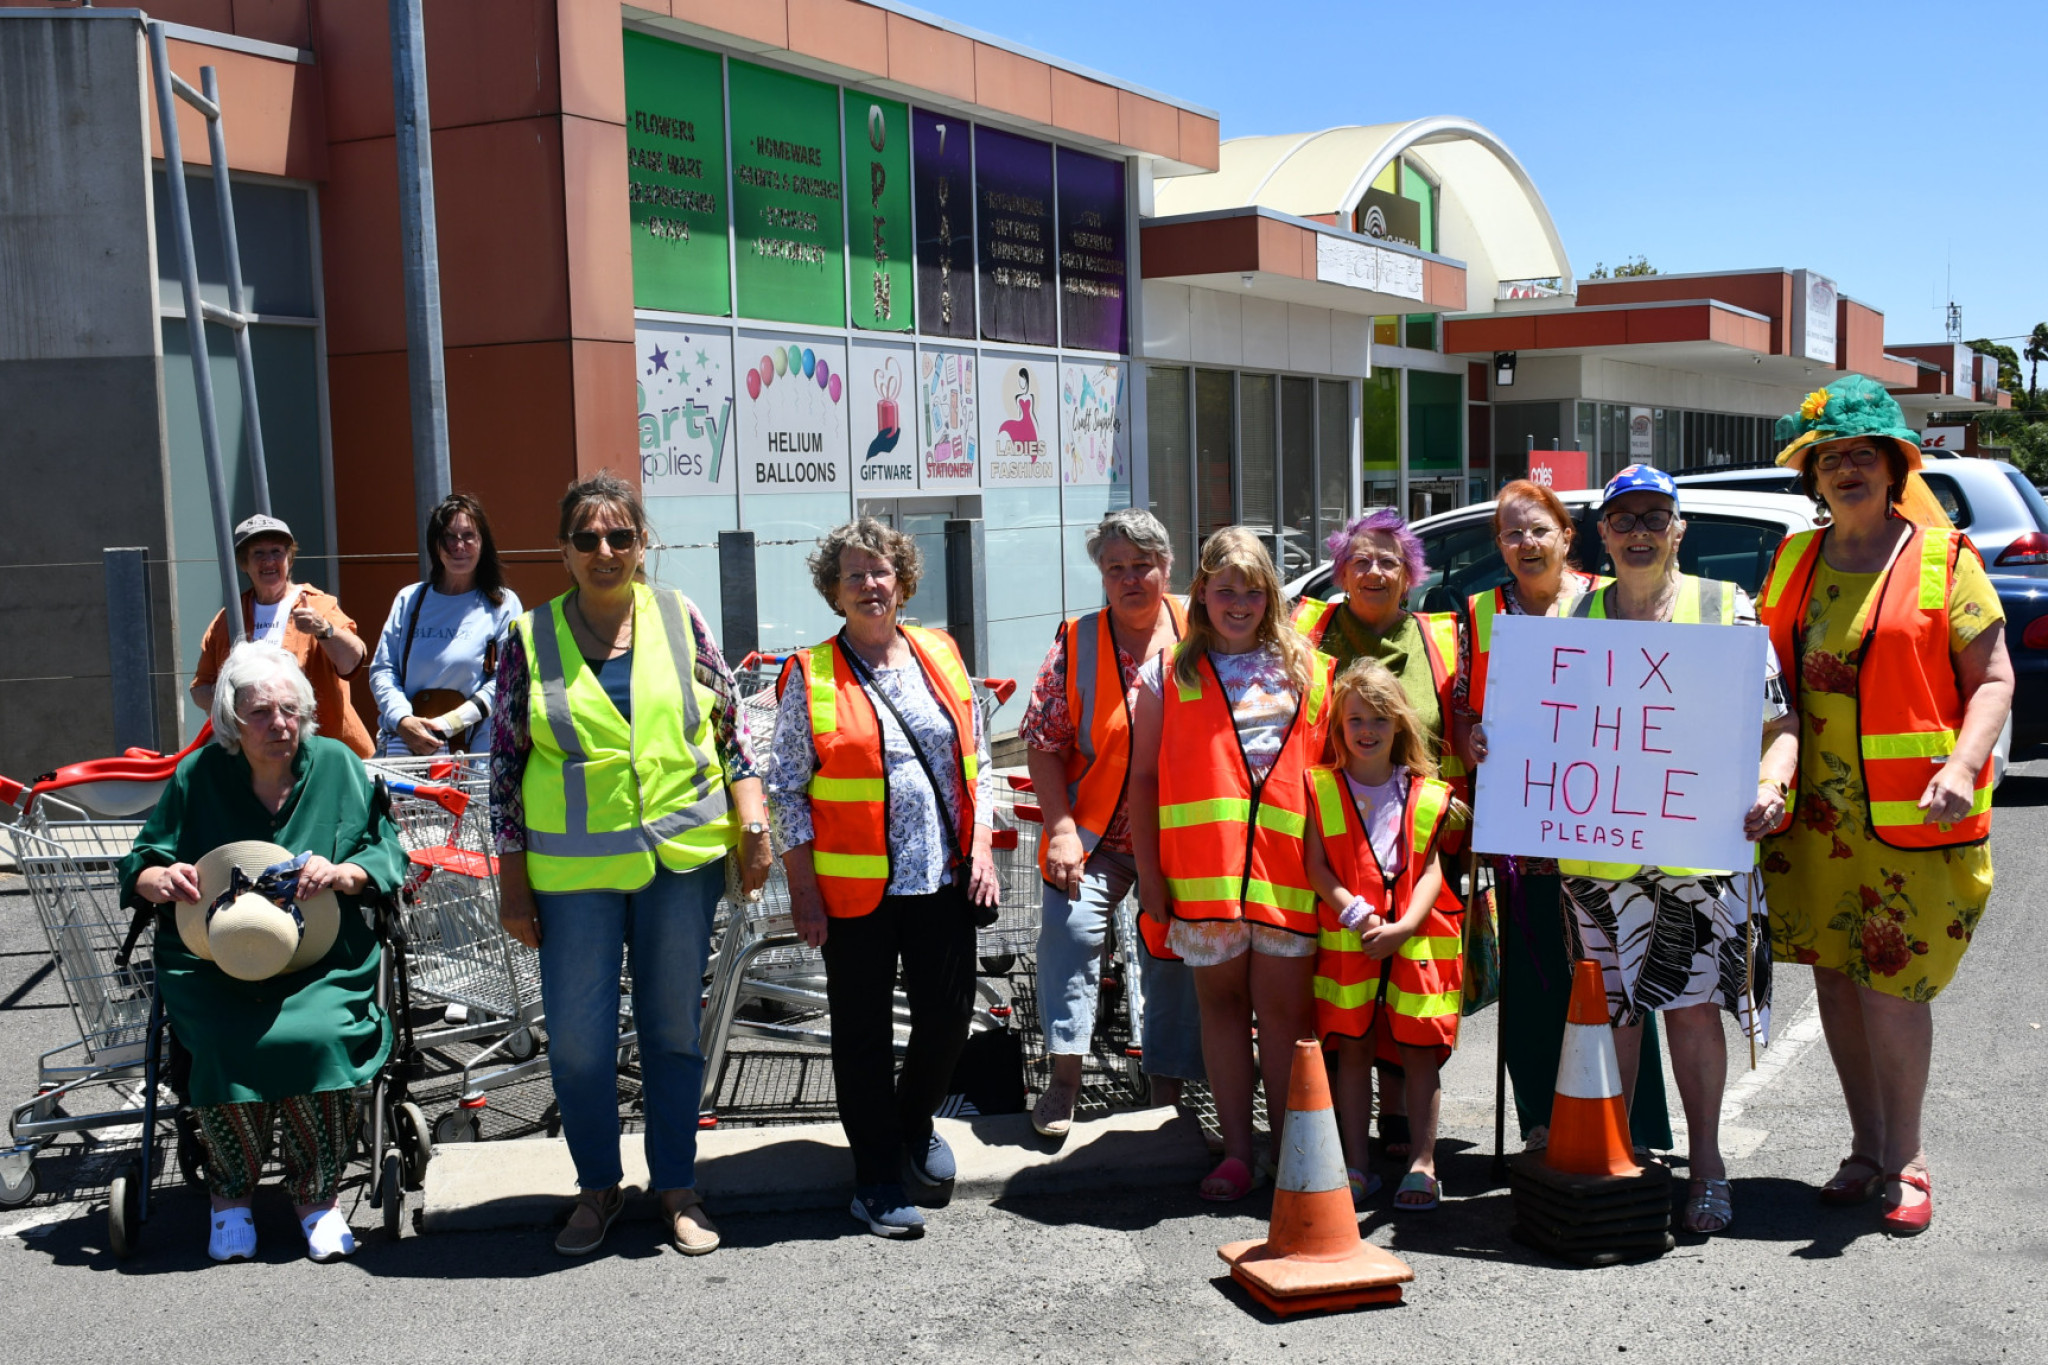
x: 1896, y: 920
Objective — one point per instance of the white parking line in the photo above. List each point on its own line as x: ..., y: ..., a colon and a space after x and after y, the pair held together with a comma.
x: 1805, y: 1030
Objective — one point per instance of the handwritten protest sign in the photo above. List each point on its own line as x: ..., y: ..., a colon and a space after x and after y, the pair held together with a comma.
x: 1621, y: 741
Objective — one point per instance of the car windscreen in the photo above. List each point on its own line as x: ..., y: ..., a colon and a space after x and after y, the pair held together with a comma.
x: 2030, y: 495
x: 1716, y: 546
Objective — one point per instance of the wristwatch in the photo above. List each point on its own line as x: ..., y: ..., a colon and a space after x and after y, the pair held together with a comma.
x: 754, y: 827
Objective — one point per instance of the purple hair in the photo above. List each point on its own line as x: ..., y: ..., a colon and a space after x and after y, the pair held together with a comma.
x: 1383, y: 519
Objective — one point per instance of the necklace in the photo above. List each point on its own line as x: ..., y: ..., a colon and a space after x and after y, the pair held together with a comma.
x: 609, y: 642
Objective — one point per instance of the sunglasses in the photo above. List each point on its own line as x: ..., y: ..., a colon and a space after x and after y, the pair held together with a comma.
x: 1829, y: 461
x: 1653, y: 522
x: 621, y: 540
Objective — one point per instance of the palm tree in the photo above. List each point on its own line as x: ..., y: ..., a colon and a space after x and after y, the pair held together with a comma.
x: 2037, y: 351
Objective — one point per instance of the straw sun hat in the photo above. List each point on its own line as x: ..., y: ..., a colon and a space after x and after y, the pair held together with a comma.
x: 252, y: 937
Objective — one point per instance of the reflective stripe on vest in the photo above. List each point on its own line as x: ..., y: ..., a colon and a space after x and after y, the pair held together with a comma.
x: 1422, y: 984
x: 1909, y: 706
x: 849, y: 791
x: 604, y: 799
x: 1698, y: 599
x: 1483, y: 607
x: 1098, y: 766
x: 1226, y: 852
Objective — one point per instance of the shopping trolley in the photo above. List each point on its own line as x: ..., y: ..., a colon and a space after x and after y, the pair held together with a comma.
x: 120, y: 1060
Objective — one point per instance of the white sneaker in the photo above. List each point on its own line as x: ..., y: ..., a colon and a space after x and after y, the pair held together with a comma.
x: 327, y: 1235
x: 233, y: 1237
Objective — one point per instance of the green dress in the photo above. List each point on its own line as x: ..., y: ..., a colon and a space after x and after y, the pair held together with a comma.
x: 1400, y: 649
x: 317, y: 1029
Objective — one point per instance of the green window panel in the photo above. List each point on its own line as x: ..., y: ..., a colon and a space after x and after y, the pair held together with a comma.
x: 1436, y: 421
x: 675, y: 171
x: 788, y: 208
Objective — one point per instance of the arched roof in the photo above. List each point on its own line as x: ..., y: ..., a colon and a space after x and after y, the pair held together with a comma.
x: 1490, y: 214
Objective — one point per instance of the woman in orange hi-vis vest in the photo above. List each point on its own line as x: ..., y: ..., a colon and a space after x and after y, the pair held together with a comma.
x: 878, y: 786
x: 1894, y: 641
x: 1390, y: 961
x: 1223, y: 731
x: 1077, y: 738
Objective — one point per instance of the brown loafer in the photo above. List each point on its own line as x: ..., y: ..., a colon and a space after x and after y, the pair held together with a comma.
x: 689, y: 1227
x: 590, y: 1218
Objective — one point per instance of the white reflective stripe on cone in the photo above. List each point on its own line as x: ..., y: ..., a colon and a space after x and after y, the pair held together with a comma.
x: 1312, y: 1156
x: 1586, y: 1067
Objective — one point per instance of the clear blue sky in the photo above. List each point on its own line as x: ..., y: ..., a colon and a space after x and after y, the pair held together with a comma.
x: 1874, y: 142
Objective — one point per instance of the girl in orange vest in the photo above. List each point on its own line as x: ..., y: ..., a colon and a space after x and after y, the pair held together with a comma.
x: 1223, y: 731
x: 1389, y: 976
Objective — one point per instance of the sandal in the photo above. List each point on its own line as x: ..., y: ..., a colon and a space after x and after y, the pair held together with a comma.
x: 1908, y: 1219
x: 1394, y: 1134
x: 1847, y: 1188
x: 1716, y: 1200
x: 1419, y: 1182
x: 1237, y: 1179
x: 1054, y: 1120
x: 1364, y: 1185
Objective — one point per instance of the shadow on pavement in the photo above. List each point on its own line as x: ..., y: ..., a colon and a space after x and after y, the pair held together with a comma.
x: 2022, y: 789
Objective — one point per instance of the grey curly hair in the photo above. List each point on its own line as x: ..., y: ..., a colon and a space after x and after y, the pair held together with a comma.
x: 865, y: 534
x: 249, y: 666
x: 1144, y: 533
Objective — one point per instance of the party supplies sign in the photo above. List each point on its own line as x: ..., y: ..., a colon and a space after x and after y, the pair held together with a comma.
x: 1621, y: 741
x: 882, y: 410
x: 686, y: 401
x: 792, y: 414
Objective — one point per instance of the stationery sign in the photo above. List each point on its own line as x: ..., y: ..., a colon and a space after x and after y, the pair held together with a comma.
x: 1014, y: 226
x: 1622, y: 742
x: 878, y: 212
x: 943, y: 179
x: 789, y: 221
x: 675, y: 176
x: 1018, y: 416
x: 685, y: 385
x: 882, y: 407
x: 792, y: 415
x: 1093, y: 273
x: 950, y: 439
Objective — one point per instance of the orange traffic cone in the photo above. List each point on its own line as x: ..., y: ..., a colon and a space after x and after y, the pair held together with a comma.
x: 1313, y: 1259
x: 1588, y: 1121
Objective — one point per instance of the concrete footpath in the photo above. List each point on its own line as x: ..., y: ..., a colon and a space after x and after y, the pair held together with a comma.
x: 524, y: 1183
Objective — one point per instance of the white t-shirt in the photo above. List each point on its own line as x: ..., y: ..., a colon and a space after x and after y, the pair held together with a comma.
x: 268, y: 622
x: 1382, y: 807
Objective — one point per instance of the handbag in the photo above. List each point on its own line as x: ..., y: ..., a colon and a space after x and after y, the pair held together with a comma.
x: 1482, y: 947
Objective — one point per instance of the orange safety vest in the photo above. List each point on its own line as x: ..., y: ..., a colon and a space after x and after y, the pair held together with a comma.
x: 1099, y: 763
x: 850, y: 790
x: 1909, y: 706
x: 1228, y: 852
x: 1483, y: 608
x: 1422, y: 985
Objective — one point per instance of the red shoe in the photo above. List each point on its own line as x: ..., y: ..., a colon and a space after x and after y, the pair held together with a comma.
x: 1908, y: 1219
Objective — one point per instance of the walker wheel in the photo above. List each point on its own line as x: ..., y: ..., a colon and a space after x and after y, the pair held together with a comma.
x: 19, y: 1192
x: 522, y: 1045
x: 414, y: 1143
x: 124, y: 1212
x: 458, y: 1125
x: 392, y: 1187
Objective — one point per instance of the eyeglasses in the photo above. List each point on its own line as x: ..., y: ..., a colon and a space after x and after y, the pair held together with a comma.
x: 1534, y: 535
x: 457, y: 540
x: 1654, y: 522
x: 1387, y: 565
x: 862, y: 577
x: 260, y: 716
x: 620, y: 539
x: 1863, y: 457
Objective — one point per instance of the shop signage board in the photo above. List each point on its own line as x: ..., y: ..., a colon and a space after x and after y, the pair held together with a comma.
x: 1019, y: 420
x: 881, y: 410
x: 687, y: 442
x: 949, y: 434
x: 789, y: 218
x: 879, y: 243
x: 942, y: 177
x: 1014, y: 232
x: 1094, y: 272
x: 1944, y: 438
x: 1627, y: 742
x: 1813, y: 317
x: 1642, y: 442
x: 792, y: 413
x: 1390, y: 217
x: 1560, y: 471
x: 675, y: 177
x: 1094, y: 446
x: 1361, y: 265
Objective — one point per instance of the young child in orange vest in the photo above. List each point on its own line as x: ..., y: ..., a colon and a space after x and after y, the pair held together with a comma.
x: 1390, y: 972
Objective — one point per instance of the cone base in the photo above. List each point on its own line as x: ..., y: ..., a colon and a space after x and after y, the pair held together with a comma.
x: 1290, y: 1284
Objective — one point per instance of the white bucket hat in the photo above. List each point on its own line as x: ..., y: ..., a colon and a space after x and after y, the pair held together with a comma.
x: 252, y: 937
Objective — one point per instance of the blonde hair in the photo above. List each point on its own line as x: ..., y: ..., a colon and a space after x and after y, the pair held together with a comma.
x: 1374, y: 684
x: 1235, y: 547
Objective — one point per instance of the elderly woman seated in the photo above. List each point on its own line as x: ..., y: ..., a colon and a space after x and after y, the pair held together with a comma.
x: 275, y: 1002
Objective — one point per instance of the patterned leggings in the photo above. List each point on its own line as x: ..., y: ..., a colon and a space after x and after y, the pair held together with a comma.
x: 316, y: 1143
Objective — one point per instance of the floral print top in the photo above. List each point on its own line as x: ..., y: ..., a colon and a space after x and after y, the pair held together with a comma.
x: 1262, y: 700
x: 1049, y: 728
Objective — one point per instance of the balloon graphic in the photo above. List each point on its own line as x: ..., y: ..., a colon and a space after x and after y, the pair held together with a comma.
x: 796, y: 358
x: 781, y: 360
x: 767, y: 372
x: 824, y: 372
x: 810, y: 362
x: 835, y: 388
x: 753, y: 383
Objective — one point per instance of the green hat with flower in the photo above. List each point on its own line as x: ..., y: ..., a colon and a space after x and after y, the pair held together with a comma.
x: 1853, y: 406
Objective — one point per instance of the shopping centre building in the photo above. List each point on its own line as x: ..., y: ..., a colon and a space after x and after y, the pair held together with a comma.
x: 786, y: 261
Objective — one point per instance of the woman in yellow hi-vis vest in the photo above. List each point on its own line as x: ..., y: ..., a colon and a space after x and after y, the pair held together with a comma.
x: 621, y: 777
x: 879, y: 781
x: 1686, y: 943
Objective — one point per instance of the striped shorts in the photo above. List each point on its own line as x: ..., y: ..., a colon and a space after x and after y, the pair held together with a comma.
x: 317, y: 1141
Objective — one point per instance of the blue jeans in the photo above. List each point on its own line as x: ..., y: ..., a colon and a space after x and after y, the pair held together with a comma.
x: 584, y: 939
x: 1070, y: 974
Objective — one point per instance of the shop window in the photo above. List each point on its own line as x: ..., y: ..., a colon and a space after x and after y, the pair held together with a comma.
x: 1333, y: 450
x: 1258, y: 460
x: 1419, y: 331
x: 1380, y: 438
x: 1435, y: 420
x: 1169, y: 485
x: 1298, y: 465
x: 1386, y: 331
x: 1215, y: 440
x: 1414, y: 187
x: 1517, y: 427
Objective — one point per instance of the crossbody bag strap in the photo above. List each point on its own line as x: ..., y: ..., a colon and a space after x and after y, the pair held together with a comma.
x: 866, y: 677
x: 412, y: 625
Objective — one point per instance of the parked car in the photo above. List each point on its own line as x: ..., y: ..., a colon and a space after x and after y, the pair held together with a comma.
x: 2026, y: 638
x: 2005, y: 515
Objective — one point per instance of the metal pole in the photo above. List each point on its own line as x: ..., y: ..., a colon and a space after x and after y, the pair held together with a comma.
x: 967, y: 591
x: 424, y: 363
x: 131, y: 649
x: 195, y: 332
x: 739, y: 606
x: 224, y: 207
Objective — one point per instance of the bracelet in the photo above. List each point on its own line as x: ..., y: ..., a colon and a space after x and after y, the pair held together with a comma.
x: 1775, y: 784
